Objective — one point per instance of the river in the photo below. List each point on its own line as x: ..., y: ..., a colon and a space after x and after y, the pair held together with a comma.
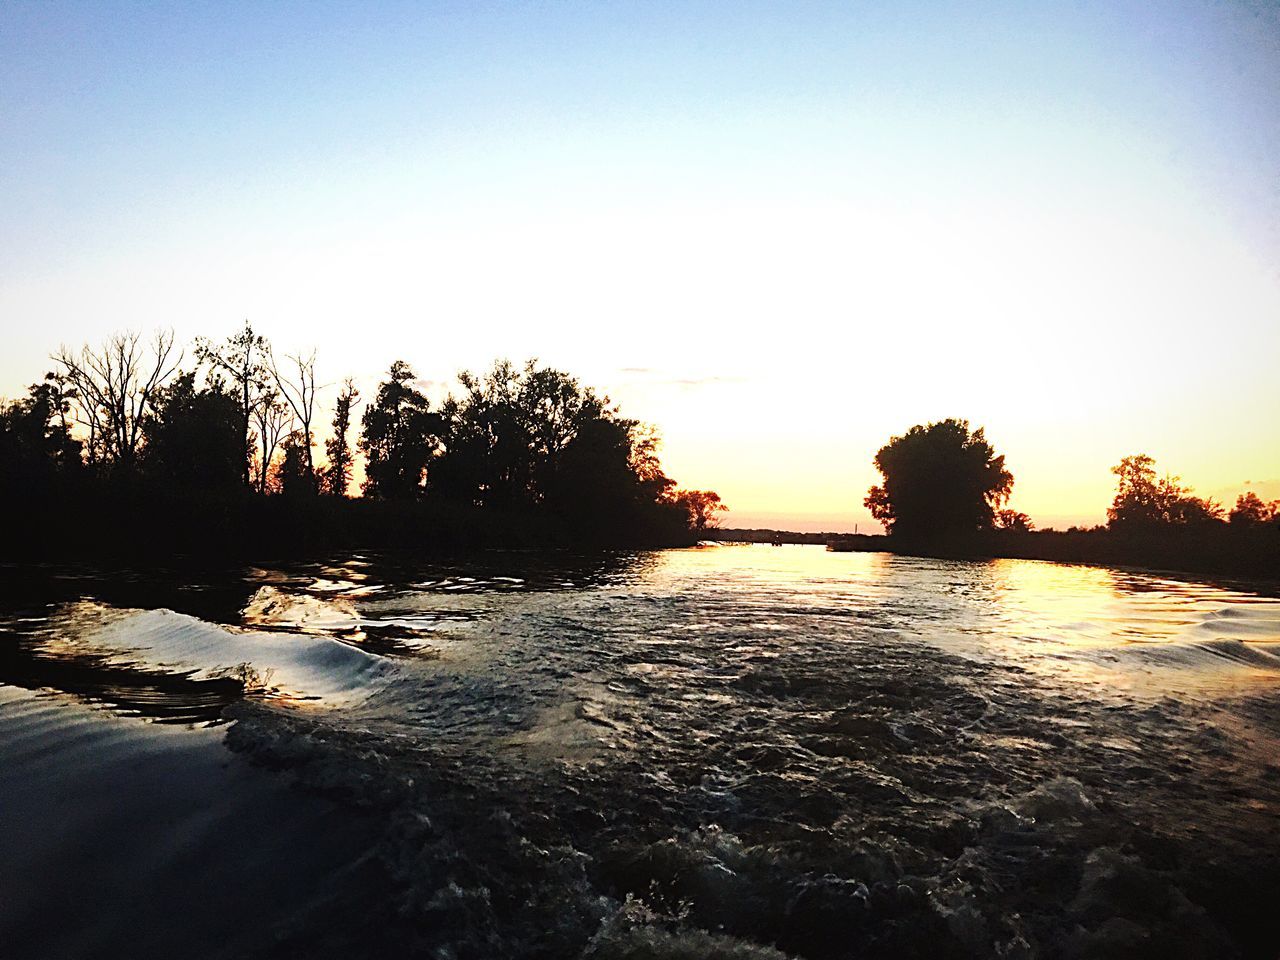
x: 728, y: 752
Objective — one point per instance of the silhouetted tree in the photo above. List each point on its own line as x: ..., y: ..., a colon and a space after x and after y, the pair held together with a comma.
x: 272, y: 420
x: 550, y: 459
x: 606, y: 483
x: 113, y: 387
x: 243, y: 358
x: 291, y: 477
x: 505, y: 435
x: 645, y: 463
x: 701, y: 506
x: 398, y: 436
x: 59, y: 396
x: 1013, y: 520
x: 193, y: 436
x: 1252, y: 510
x: 35, y: 437
x: 1143, y: 500
x: 338, y: 474
x: 941, y: 481
x: 297, y: 384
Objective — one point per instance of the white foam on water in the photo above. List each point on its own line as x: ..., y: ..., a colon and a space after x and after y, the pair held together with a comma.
x: 272, y: 607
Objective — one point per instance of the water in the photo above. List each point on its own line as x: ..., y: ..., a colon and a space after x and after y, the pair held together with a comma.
x: 723, y: 752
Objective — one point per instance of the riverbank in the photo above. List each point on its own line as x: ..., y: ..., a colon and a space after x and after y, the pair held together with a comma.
x: 68, y: 520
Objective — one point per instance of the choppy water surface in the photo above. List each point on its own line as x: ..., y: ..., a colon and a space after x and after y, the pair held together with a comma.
x: 727, y: 752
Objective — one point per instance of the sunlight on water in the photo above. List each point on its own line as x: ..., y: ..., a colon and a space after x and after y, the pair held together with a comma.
x: 1075, y: 621
x: 1130, y: 631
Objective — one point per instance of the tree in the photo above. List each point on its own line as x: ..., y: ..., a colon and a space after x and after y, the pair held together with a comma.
x: 702, y: 507
x: 507, y: 433
x: 242, y: 357
x: 297, y: 384
x: 1143, y: 500
x: 604, y: 484
x: 1251, y: 510
x: 941, y: 481
x: 35, y: 438
x: 113, y: 387
x: 1013, y: 520
x: 193, y: 436
x: 291, y: 476
x: 272, y: 421
x: 398, y: 436
x: 338, y: 474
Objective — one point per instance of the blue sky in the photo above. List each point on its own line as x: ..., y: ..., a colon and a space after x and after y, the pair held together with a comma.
x: 780, y: 231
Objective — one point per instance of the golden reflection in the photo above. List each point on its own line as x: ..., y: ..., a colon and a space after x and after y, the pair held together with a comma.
x: 1122, y: 629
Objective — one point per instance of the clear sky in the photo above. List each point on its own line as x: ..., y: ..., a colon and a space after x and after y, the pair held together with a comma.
x: 781, y: 232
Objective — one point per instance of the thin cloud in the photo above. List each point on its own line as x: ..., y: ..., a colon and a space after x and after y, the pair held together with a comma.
x: 660, y: 378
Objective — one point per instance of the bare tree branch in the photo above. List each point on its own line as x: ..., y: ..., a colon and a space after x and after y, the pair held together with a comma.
x: 273, y: 421
x: 300, y: 394
x: 114, y: 386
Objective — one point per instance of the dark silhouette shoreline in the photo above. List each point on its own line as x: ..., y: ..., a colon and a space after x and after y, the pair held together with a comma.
x: 69, y: 519
x: 66, y: 519
x: 120, y: 452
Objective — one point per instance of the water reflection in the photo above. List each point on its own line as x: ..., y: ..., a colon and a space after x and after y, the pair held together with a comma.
x: 1074, y: 622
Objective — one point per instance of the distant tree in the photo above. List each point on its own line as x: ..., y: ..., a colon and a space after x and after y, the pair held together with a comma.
x: 507, y: 432
x: 296, y: 381
x: 551, y: 411
x: 702, y: 507
x: 272, y: 421
x: 337, y: 477
x: 1252, y: 510
x: 58, y: 397
x: 1013, y: 520
x: 291, y: 477
x: 193, y: 436
x: 941, y: 480
x: 399, y: 435
x: 605, y: 483
x: 1138, y: 499
x: 532, y: 439
x: 645, y: 464
x: 113, y: 387
x: 1144, y: 500
x: 35, y: 437
x: 242, y: 357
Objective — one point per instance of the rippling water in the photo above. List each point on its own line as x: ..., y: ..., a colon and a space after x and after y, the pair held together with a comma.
x: 726, y: 752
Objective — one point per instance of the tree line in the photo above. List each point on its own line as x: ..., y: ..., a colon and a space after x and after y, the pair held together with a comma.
x: 240, y: 419
x: 944, y: 487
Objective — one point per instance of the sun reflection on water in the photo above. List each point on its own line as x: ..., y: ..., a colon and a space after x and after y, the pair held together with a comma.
x: 1128, y: 629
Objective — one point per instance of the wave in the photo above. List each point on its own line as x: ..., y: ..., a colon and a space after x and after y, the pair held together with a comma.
x: 288, y: 667
x: 273, y: 608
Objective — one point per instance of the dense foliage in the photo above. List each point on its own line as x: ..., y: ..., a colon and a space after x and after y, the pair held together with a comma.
x: 518, y: 439
x: 1144, y: 500
x: 941, y: 481
x: 526, y: 449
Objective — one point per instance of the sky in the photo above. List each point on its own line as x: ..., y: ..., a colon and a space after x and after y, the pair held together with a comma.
x: 782, y: 233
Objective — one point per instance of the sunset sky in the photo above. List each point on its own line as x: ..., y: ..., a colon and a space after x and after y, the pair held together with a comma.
x: 780, y: 232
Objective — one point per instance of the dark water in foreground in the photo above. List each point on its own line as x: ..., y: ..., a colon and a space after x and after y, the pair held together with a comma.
x: 729, y: 752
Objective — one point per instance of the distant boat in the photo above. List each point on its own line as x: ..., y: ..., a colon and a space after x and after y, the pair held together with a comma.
x: 841, y: 546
